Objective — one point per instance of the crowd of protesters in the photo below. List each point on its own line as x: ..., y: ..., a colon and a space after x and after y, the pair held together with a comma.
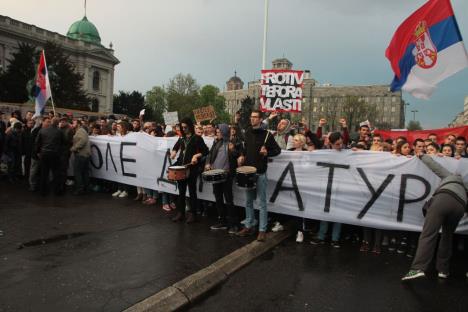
x: 39, y: 149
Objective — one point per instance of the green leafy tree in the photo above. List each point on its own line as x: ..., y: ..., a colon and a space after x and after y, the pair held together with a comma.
x: 156, y: 103
x: 414, y: 125
x: 20, y: 70
x: 65, y: 81
x: 209, y: 95
x: 129, y: 104
x: 182, y: 95
x: 356, y: 110
x: 247, y: 105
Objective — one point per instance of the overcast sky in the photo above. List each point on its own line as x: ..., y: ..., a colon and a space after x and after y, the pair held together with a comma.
x: 341, y: 42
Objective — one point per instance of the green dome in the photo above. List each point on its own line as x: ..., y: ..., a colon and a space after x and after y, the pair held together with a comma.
x: 84, y: 30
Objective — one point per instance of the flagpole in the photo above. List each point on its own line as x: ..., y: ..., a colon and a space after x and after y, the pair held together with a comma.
x: 265, y: 31
x: 51, y: 97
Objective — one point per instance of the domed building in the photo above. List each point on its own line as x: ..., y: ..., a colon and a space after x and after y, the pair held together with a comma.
x: 234, y: 83
x: 82, y: 43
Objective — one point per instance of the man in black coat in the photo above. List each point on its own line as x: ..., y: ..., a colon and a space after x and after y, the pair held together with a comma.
x: 49, y: 144
x: 259, y: 146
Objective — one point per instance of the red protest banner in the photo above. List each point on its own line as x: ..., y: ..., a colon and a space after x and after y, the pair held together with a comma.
x: 281, y: 90
x: 423, y: 134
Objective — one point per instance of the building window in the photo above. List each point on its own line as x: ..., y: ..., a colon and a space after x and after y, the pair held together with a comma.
x: 393, y: 109
x: 96, y: 81
x: 315, y: 100
x: 393, y: 99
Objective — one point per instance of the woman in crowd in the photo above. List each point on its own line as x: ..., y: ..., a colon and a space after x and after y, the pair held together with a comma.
x: 121, y: 130
x: 448, y: 150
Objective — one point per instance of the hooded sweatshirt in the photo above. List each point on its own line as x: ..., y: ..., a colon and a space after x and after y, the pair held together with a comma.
x: 451, y: 183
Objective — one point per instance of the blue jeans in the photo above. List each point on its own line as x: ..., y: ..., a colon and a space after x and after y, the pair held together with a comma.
x: 151, y: 193
x: 260, y: 191
x: 336, y: 232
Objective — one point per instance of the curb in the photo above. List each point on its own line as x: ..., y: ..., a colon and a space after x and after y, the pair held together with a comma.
x: 186, y: 291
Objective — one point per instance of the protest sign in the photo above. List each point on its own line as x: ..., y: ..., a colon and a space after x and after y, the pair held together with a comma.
x: 171, y: 118
x: 204, y: 113
x: 281, y: 90
x: 371, y: 189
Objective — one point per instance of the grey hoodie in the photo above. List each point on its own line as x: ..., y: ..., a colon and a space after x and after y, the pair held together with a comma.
x: 451, y: 183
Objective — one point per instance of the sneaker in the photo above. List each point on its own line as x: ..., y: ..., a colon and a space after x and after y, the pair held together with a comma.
x: 233, y: 230
x: 392, y: 245
x: 173, y: 206
x: 123, y: 194
x: 116, y: 193
x: 317, y: 241
x: 401, y: 248
x: 245, y: 232
x: 336, y: 244
x: 277, y: 227
x: 299, y: 237
x: 443, y: 275
x: 69, y: 182
x: 413, y: 274
x: 218, y: 226
x: 261, y: 236
x: 166, y: 207
x: 150, y: 201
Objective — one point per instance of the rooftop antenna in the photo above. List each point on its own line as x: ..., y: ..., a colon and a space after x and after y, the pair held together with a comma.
x: 85, y: 8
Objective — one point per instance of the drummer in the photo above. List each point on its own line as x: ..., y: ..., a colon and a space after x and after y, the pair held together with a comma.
x: 192, y: 148
x: 223, y: 155
x: 259, y: 145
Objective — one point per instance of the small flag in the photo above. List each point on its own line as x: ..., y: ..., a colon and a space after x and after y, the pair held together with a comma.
x: 426, y: 49
x: 42, y: 91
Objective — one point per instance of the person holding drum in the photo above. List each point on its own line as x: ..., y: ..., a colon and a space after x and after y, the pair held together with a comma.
x: 219, y: 170
x: 192, y: 148
x: 259, y: 145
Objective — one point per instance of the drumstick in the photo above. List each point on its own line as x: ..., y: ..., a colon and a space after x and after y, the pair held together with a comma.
x: 266, y: 137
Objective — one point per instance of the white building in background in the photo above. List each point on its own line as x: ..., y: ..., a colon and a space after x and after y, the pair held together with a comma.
x: 83, y: 45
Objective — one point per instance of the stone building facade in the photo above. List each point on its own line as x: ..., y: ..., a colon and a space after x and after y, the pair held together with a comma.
x: 83, y: 45
x: 329, y: 101
x: 461, y: 119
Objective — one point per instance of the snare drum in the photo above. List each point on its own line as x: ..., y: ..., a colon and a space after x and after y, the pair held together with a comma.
x: 246, y: 177
x: 177, y: 173
x: 215, y: 176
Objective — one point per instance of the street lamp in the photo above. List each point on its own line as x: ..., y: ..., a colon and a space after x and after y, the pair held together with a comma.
x: 414, y: 114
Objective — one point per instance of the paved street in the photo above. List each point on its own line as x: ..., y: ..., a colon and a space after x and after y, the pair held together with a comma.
x: 94, y: 253
x: 302, y: 277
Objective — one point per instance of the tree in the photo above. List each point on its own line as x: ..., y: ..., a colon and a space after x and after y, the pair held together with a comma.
x: 355, y: 110
x: 129, y: 104
x: 209, y: 95
x: 65, y: 81
x: 182, y: 95
x: 247, y: 106
x: 156, y: 103
x: 414, y: 125
x: 20, y: 70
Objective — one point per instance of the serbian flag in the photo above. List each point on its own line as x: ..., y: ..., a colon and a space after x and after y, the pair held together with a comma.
x: 42, y: 90
x: 426, y: 49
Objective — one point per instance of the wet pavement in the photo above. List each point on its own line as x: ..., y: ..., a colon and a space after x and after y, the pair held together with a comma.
x: 303, y: 277
x: 94, y: 252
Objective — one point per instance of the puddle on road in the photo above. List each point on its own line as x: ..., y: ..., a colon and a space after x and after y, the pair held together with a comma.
x: 52, y: 239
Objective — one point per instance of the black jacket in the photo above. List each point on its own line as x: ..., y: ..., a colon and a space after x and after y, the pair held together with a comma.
x: 195, y: 145
x: 49, y: 140
x: 254, y: 140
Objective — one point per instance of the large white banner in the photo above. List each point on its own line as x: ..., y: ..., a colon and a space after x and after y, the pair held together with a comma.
x: 372, y: 189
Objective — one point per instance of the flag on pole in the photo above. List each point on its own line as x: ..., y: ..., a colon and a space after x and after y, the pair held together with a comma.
x: 42, y: 91
x: 426, y: 49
